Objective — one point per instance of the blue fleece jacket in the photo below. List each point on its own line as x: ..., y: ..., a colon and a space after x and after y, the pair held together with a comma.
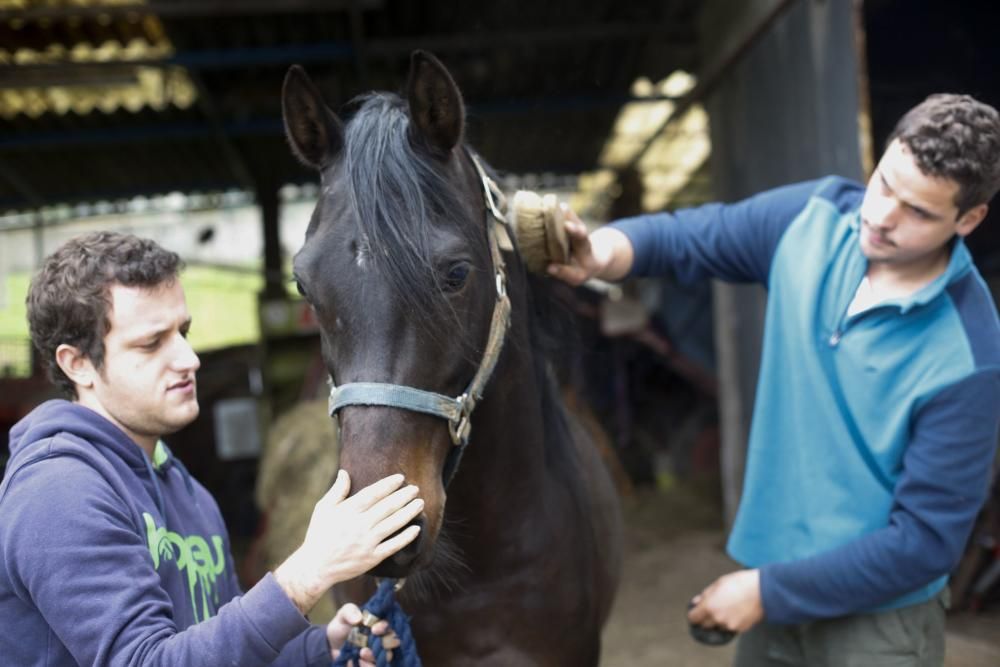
x: 873, y: 435
x: 106, y: 560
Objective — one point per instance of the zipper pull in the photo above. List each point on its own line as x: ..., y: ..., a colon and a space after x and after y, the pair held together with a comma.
x: 835, y: 338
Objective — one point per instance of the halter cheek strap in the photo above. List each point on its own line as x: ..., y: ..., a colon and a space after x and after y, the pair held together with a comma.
x: 458, y: 410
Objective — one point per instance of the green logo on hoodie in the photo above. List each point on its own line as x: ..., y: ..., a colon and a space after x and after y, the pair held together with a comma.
x: 195, y: 559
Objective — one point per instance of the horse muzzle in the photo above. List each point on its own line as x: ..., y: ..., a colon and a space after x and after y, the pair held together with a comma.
x: 401, y: 563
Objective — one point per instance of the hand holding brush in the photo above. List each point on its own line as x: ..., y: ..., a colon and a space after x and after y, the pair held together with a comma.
x: 553, y: 240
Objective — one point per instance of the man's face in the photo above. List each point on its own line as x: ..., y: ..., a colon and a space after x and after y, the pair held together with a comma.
x: 147, y: 383
x: 908, y: 217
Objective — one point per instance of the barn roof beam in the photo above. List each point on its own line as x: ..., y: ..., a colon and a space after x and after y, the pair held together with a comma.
x: 232, y: 155
x: 715, y: 72
x: 172, y: 131
x: 20, y: 186
x: 332, y: 51
x: 187, y: 9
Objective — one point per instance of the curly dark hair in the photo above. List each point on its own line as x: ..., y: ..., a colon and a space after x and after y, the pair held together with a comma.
x: 69, y: 300
x: 955, y: 137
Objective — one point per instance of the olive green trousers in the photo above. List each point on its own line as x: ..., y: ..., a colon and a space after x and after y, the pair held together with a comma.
x: 906, y: 637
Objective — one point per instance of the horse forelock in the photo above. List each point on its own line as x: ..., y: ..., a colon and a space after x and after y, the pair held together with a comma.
x: 400, y: 196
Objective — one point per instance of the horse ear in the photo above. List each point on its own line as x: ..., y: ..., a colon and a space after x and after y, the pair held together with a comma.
x: 314, y: 132
x: 436, y: 110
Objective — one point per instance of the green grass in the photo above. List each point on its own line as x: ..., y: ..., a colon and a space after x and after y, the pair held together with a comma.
x: 13, y: 324
x: 223, y: 307
x: 15, y: 352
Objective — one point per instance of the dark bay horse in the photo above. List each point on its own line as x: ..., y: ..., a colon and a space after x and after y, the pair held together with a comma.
x: 519, y: 554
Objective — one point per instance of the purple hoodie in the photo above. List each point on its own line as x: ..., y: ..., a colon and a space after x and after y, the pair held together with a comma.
x: 105, y: 560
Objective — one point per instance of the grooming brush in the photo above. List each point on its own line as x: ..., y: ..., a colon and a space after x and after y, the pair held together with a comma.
x: 539, y: 225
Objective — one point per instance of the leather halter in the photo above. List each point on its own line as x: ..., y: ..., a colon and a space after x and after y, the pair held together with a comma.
x: 458, y: 410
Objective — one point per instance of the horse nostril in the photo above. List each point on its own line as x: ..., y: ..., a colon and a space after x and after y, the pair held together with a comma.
x: 407, y: 554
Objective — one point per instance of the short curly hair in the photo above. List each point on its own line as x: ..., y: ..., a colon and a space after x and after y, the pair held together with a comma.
x: 69, y: 300
x: 955, y: 137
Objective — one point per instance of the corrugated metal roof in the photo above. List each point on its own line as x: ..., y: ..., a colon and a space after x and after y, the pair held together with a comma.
x: 118, y: 100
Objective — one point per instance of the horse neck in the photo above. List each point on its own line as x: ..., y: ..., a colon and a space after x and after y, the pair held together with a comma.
x: 505, y: 458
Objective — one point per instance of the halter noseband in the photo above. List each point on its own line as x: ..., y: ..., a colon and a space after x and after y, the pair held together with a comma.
x: 457, y: 411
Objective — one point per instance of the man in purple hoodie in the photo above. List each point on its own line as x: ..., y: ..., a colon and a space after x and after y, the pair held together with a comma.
x: 110, y: 553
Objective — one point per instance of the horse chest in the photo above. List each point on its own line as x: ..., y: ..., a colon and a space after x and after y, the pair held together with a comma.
x: 510, y: 626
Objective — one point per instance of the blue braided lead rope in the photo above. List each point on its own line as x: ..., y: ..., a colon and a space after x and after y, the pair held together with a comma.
x: 385, y: 606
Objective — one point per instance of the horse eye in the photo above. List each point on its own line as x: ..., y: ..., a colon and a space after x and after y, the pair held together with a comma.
x: 457, y: 275
x: 301, y: 290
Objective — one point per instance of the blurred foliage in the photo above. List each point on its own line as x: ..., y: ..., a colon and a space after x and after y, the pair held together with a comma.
x: 223, y: 306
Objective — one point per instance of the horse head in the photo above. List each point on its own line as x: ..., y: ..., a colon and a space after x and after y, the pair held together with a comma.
x: 400, y: 267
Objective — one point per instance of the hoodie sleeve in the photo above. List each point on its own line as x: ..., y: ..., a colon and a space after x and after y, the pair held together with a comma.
x: 310, y: 648
x: 70, y: 545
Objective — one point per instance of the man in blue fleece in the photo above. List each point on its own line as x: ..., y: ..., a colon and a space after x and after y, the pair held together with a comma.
x: 110, y: 553
x: 878, y: 400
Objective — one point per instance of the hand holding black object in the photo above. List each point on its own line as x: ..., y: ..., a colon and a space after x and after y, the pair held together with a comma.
x: 710, y: 636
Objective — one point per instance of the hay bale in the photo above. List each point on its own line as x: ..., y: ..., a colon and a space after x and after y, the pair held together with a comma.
x: 298, y: 466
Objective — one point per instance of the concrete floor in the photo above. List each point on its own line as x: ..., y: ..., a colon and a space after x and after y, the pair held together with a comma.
x: 673, y: 549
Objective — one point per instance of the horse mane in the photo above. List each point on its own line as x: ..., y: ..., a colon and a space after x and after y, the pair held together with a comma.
x: 553, y: 339
x: 397, y: 192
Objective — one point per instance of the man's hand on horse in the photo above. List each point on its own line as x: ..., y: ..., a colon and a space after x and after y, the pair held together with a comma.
x: 731, y: 602
x: 349, y: 536
x: 348, y: 617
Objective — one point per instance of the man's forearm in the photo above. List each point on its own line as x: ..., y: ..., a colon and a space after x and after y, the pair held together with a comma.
x: 295, y: 577
x: 613, y: 252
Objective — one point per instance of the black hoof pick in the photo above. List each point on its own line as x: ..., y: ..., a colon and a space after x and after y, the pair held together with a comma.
x: 710, y: 636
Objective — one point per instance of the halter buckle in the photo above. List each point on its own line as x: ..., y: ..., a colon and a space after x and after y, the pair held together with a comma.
x: 358, y: 637
x: 462, y: 425
x: 496, y: 203
x: 397, y: 585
